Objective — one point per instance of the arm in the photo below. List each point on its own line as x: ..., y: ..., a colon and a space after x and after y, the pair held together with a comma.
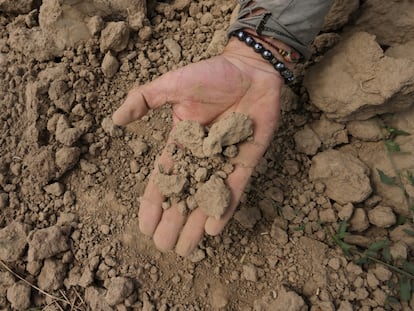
x: 237, y: 80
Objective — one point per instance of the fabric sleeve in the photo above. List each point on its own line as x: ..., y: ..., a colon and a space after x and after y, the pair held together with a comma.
x: 294, y: 22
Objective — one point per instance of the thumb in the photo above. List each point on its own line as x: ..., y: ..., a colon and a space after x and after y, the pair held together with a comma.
x: 143, y: 98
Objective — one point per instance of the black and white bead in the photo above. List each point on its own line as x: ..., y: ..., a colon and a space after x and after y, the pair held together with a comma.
x: 286, y: 73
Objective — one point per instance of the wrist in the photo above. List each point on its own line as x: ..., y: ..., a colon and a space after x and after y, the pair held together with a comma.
x: 251, y: 50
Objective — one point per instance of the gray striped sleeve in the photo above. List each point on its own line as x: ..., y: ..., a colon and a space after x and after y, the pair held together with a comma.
x: 294, y: 22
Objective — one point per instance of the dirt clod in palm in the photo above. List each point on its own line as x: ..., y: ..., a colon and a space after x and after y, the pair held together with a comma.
x: 190, y: 134
x: 197, y: 177
x: 213, y: 197
x: 229, y: 131
x: 170, y: 184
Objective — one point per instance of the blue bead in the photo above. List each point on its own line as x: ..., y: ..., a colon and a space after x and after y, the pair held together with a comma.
x: 258, y: 47
x: 250, y: 41
x: 267, y: 54
x: 291, y: 79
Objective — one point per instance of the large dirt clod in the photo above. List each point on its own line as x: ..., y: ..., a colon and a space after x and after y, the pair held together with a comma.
x: 392, y: 22
x: 13, y: 241
x: 345, y: 176
x: 48, y: 242
x: 370, y: 83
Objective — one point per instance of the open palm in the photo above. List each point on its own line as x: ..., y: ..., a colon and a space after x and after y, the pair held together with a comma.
x: 236, y: 81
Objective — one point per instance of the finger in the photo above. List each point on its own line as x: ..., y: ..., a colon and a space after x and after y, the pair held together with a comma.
x: 236, y: 182
x: 149, y: 96
x: 150, y: 210
x: 134, y: 107
x: 169, y: 228
x: 192, y: 233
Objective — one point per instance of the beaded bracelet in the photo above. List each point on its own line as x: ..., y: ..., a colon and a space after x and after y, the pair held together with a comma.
x: 280, y: 67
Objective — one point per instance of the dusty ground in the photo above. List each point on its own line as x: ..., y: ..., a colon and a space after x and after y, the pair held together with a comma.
x: 70, y: 181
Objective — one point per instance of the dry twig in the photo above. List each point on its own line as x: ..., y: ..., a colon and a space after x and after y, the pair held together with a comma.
x: 55, y: 298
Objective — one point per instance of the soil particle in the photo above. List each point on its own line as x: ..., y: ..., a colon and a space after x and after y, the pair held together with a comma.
x: 86, y: 278
x: 4, y: 200
x: 286, y: 300
x: 213, y: 197
x: 248, y: 216
x: 147, y: 305
x: 41, y: 167
x: 110, y: 65
x: 94, y: 297
x: 367, y: 130
x: 115, y: 37
x: 382, y: 216
x: 190, y: 135
x: 345, y: 176
x: 291, y: 167
x: 66, y: 134
x: 359, y: 221
x: 95, y: 25
x: 345, y: 306
x: 170, y: 185
x: 118, y: 290
x: 329, y: 132
x: 372, y: 281
x: 145, y: 33
x: 48, y: 242
x: 61, y: 95
x: 110, y: 128
x: 402, y: 50
x: 219, y: 297
x: 13, y: 241
x: 33, y: 267
x: 139, y: 147
x: 344, y: 211
x: 399, y: 251
x: 325, y: 41
x: 67, y: 158
x: 19, y: 295
x: 400, y: 234
x: 52, y: 275
x: 229, y: 131
x: 278, y: 234
x: 327, y: 215
x: 376, y: 14
x: 174, y: 48
x: 16, y: 6
x: 197, y: 255
x: 307, y: 141
x: 56, y: 189
x: 250, y: 273
x: 382, y: 273
x: 217, y: 43
x: 339, y: 14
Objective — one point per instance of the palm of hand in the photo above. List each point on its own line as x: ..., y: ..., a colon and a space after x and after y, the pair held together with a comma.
x: 205, y: 92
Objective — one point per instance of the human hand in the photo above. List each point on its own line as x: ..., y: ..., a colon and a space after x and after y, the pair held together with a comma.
x: 238, y: 80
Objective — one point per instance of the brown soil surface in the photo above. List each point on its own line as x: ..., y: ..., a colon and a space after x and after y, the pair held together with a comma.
x: 70, y: 181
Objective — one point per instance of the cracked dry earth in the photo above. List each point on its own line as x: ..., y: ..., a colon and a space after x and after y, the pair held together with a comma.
x: 70, y: 181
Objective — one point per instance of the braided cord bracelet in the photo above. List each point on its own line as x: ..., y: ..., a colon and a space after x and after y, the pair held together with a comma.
x: 280, y: 67
x: 289, y: 56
